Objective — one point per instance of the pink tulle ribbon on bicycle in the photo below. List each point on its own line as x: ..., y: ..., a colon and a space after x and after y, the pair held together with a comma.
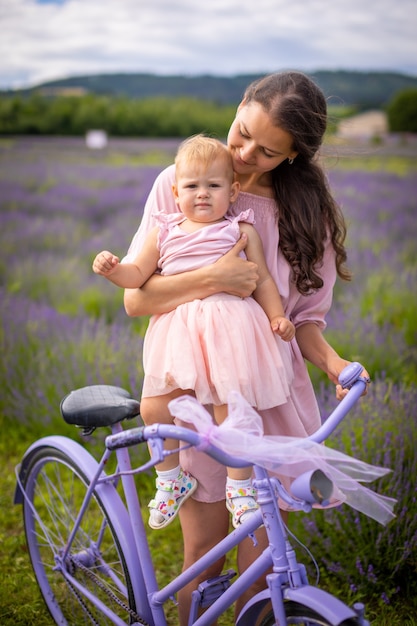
x: 241, y: 435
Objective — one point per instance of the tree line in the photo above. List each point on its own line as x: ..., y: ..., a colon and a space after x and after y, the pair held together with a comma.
x: 153, y: 117
x: 123, y: 117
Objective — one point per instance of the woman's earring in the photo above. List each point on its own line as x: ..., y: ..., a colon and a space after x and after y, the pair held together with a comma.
x: 290, y: 161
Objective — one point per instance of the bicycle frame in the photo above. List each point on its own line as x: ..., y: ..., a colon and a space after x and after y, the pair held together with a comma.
x: 287, y: 579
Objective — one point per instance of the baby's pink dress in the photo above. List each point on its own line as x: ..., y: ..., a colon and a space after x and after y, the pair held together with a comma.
x: 300, y: 415
x: 219, y: 344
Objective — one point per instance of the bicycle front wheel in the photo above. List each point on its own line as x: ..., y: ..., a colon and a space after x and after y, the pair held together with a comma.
x: 300, y: 615
x: 94, y: 579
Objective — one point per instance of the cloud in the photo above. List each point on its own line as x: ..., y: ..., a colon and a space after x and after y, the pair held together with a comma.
x: 47, y: 39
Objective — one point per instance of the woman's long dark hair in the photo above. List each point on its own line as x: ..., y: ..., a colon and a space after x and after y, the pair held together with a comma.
x: 307, y: 212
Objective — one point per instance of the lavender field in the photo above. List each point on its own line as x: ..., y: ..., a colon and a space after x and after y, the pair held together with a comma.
x: 63, y: 327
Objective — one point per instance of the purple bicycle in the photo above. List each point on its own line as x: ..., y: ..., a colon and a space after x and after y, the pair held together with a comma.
x: 87, y: 542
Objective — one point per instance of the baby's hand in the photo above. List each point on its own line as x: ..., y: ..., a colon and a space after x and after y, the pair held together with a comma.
x: 105, y: 263
x: 283, y: 327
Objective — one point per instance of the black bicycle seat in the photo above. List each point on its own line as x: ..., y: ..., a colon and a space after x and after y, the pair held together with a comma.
x: 98, y: 405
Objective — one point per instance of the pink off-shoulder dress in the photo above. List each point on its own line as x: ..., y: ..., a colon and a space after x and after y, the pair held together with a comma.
x: 218, y: 344
x: 300, y: 415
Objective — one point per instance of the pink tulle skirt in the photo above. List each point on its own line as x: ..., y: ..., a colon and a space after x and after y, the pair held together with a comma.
x: 213, y: 346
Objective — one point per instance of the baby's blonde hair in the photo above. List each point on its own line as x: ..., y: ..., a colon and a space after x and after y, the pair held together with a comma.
x: 202, y: 151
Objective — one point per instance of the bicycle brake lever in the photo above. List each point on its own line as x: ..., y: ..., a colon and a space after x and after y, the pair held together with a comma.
x: 157, y: 449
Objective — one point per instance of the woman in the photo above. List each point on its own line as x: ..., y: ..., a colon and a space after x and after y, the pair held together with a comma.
x: 274, y: 138
x: 190, y: 349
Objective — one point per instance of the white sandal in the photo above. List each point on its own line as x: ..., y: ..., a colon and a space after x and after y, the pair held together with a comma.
x: 239, y: 509
x: 175, y: 494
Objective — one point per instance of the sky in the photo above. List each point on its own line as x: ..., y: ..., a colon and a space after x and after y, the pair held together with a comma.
x: 45, y: 40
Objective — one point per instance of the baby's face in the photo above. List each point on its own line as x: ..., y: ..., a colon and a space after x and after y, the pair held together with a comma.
x: 204, y: 194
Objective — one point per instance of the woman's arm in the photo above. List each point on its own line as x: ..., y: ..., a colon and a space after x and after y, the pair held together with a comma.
x: 320, y: 353
x: 161, y: 294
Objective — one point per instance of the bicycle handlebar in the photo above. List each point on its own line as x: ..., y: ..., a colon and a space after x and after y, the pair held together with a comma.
x: 350, y: 378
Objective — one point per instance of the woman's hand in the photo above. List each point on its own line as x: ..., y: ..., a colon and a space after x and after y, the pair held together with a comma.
x: 336, y: 366
x: 235, y: 274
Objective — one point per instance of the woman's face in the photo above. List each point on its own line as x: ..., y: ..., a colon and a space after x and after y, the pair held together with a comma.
x: 256, y: 145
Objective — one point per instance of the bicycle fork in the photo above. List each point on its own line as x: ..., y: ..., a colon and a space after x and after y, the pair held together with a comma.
x: 286, y: 571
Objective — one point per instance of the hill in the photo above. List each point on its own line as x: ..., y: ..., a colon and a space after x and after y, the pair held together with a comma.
x: 361, y: 89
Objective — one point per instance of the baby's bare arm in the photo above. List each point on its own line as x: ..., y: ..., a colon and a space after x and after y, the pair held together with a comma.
x: 266, y: 292
x: 129, y: 275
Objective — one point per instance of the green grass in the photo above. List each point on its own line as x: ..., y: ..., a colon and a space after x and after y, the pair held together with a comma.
x: 20, y: 600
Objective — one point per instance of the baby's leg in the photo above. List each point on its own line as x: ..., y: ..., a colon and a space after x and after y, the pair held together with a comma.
x: 240, y: 494
x: 154, y: 410
x: 173, y: 485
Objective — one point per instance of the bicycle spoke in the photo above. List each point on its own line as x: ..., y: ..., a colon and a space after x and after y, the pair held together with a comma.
x: 56, y: 490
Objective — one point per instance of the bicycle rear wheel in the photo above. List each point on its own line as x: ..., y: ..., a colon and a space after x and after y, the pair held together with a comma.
x: 300, y: 615
x: 55, y: 487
